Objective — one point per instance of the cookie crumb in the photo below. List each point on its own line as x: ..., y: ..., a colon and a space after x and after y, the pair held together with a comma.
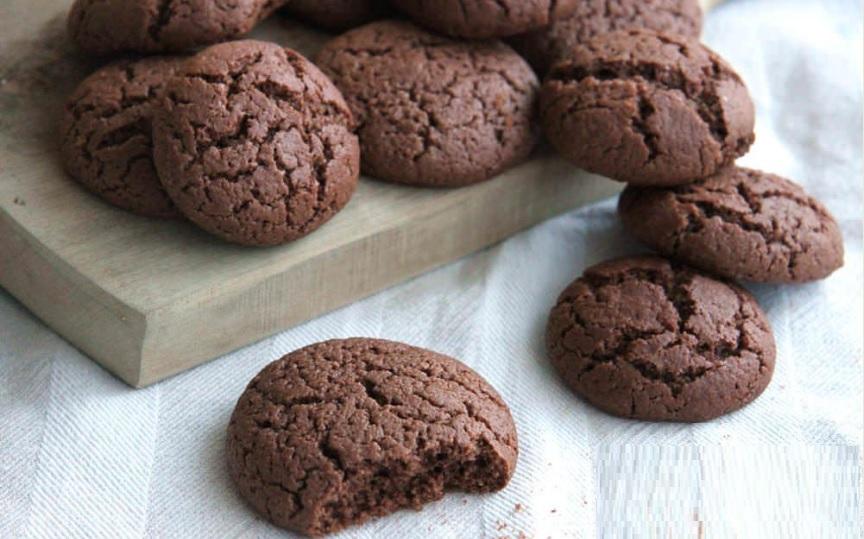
x: 518, y: 508
x: 19, y: 201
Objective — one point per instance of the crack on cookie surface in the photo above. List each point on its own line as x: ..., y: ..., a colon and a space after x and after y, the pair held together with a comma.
x: 544, y: 47
x: 646, y: 108
x: 255, y: 144
x: 359, y: 428
x: 105, y: 27
x: 700, y: 94
x: 107, y: 139
x: 742, y: 223
x: 628, y: 329
x: 430, y: 110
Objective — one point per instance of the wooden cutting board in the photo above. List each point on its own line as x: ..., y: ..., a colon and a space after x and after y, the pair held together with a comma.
x: 148, y: 299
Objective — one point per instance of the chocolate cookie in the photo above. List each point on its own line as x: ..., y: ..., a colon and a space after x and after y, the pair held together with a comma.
x: 741, y: 224
x: 148, y: 26
x: 430, y: 110
x: 343, y: 431
x: 253, y: 143
x: 642, y: 338
x: 107, y: 144
x: 647, y: 109
x: 338, y: 15
x: 542, y: 48
x: 480, y: 19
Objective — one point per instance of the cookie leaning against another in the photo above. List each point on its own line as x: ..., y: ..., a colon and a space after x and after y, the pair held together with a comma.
x: 342, y: 431
x: 484, y: 19
x: 107, y: 144
x: 544, y: 47
x: 253, y: 143
x: 647, y: 109
x: 430, y: 110
x: 740, y: 224
x: 147, y: 26
x: 641, y: 338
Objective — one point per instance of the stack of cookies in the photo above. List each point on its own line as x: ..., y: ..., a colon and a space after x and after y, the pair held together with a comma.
x: 257, y: 145
x: 651, y: 338
x: 246, y: 139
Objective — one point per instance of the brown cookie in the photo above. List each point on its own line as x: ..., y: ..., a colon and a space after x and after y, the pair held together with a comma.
x: 741, y: 224
x: 481, y: 19
x: 644, y: 339
x: 430, y: 110
x: 647, y: 109
x: 338, y: 15
x: 544, y: 47
x: 253, y: 143
x: 107, y: 144
x: 343, y: 431
x: 147, y: 26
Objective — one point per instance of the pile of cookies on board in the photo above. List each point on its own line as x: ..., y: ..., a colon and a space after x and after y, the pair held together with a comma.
x: 258, y: 145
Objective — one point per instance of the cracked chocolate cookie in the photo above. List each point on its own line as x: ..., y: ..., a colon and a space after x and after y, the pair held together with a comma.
x: 481, y: 19
x: 430, y: 110
x: 342, y: 431
x: 107, y: 145
x: 338, y: 15
x: 254, y: 144
x: 740, y: 224
x: 146, y: 26
x: 647, y: 109
x: 642, y: 338
x: 544, y: 47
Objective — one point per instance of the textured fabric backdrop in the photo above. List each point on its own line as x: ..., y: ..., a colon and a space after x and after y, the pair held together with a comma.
x: 82, y: 455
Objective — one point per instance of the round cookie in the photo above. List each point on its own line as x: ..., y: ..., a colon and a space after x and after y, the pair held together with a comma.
x: 740, y: 224
x: 647, y: 109
x: 482, y: 19
x: 644, y: 339
x: 433, y: 111
x: 338, y: 15
x: 253, y: 144
x: 107, y: 145
x: 342, y: 431
x: 544, y: 47
x: 146, y: 26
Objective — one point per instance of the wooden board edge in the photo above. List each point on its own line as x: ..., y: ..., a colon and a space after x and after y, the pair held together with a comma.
x: 167, y: 350
x: 104, y: 329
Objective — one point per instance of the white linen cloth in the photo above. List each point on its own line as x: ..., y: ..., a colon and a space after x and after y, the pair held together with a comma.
x: 83, y: 455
